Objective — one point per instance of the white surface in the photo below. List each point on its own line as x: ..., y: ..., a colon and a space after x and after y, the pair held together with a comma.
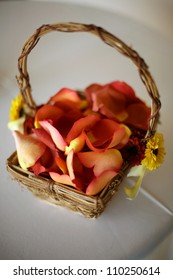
x: 33, y: 229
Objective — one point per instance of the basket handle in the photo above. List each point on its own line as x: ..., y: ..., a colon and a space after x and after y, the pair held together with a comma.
x: 24, y: 80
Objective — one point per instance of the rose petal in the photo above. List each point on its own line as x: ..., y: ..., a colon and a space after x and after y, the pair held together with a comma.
x: 98, y: 183
x: 124, y: 88
x: 17, y: 125
x: 76, y: 144
x: 82, y: 124
x: 44, y: 137
x: 61, y: 164
x: 90, y: 89
x: 114, y: 135
x: 66, y: 94
x: 109, y: 102
x: 69, y: 161
x: 47, y: 112
x: 75, y: 171
x: 62, y: 179
x: 120, y: 137
x: 46, y: 163
x: 54, y: 133
x: 29, y: 149
x: 102, y: 161
x: 138, y: 115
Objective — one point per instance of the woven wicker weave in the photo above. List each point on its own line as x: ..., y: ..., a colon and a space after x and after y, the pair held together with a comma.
x: 89, y: 206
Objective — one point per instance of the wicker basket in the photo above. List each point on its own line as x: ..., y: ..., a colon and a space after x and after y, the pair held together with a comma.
x: 89, y: 206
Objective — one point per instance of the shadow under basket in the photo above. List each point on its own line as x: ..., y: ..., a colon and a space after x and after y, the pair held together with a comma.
x: 45, y: 188
x: 63, y: 195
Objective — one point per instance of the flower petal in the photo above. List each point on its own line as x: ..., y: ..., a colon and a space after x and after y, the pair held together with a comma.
x: 47, y: 112
x: 84, y: 123
x: 123, y: 137
x: 54, y: 133
x: 114, y: 135
x: 46, y: 163
x: 61, y: 178
x: 138, y: 115
x: 44, y: 137
x: 64, y: 95
x: 17, y: 124
x: 38, y: 168
x: 154, y: 152
x: 61, y: 164
x: 109, y: 102
x: 124, y: 88
x: 90, y: 89
x: 75, y: 170
x: 98, y: 183
x: 76, y: 144
x: 136, y: 171
x: 102, y: 161
x: 29, y: 149
x: 69, y: 161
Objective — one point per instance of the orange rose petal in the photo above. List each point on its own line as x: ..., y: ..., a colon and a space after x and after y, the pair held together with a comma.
x: 125, y: 138
x: 54, y: 133
x: 29, y: 149
x: 46, y: 163
x: 98, y: 183
x: 108, y: 101
x: 138, y: 115
x: 120, y: 137
x: 66, y: 94
x: 47, y: 112
x: 62, y: 179
x: 38, y: 168
x: 61, y: 164
x: 101, y: 161
x: 82, y: 124
x: 124, y: 88
x: 90, y: 89
x: 113, y: 134
x: 76, y: 144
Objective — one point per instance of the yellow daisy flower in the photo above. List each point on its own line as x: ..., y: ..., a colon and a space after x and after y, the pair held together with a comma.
x: 16, y: 108
x: 154, y: 152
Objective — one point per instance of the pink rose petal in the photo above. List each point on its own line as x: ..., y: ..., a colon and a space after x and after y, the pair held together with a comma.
x: 44, y: 137
x: 54, y: 133
x: 29, y: 149
x: 69, y: 162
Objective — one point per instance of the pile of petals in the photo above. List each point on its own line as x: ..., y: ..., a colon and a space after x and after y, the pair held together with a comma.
x: 82, y: 140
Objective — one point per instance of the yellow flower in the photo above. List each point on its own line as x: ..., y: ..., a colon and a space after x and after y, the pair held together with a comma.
x: 154, y: 152
x: 16, y: 108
